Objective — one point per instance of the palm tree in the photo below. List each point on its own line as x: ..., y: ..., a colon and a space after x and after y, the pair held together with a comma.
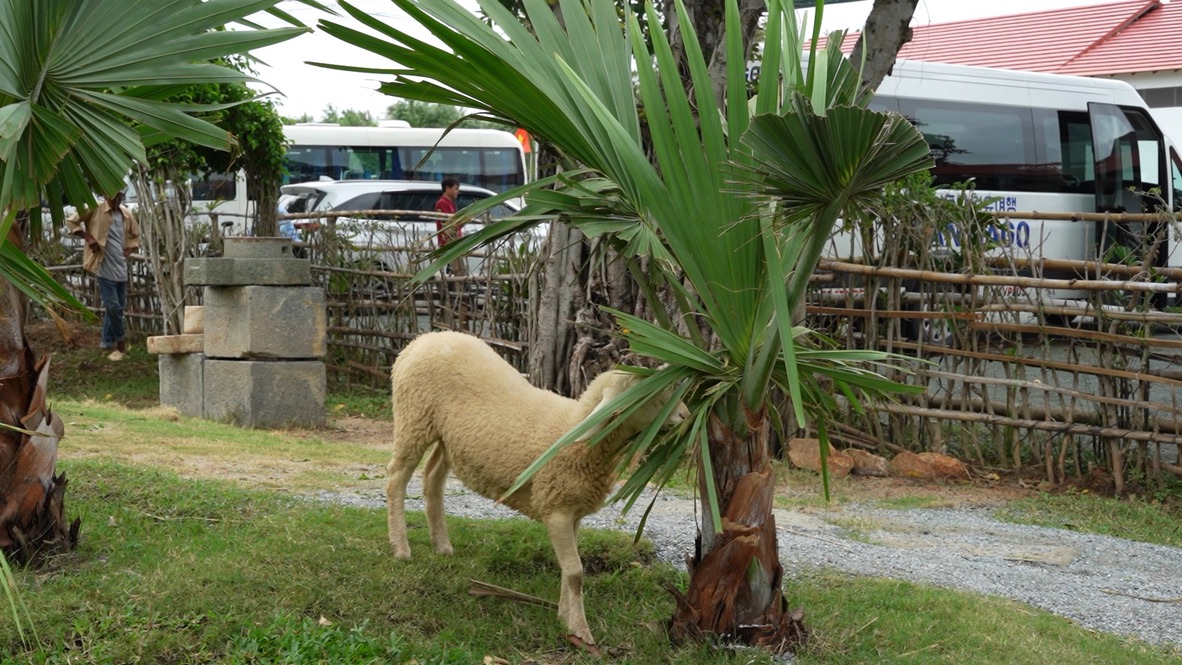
x: 731, y: 212
x: 80, y: 84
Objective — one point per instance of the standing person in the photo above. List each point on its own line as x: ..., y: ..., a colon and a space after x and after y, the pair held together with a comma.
x: 111, y: 234
x: 445, y: 232
x: 447, y: 205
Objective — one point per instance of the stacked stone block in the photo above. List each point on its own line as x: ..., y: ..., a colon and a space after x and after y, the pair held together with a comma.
x: 262, y: 335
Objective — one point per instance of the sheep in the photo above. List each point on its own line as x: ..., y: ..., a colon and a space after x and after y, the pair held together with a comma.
x: 453, y: 395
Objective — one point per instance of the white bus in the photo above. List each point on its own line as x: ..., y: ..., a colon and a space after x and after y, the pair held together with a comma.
x: 487, y: 158
x: 1036, y: 142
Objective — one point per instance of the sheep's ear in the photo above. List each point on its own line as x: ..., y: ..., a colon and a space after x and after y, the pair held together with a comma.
x: 610, y: 392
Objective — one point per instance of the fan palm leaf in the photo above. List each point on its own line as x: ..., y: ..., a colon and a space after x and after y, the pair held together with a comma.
x: 80, y: 82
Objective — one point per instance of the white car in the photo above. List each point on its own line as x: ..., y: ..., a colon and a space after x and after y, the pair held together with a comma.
x: 389, y: 241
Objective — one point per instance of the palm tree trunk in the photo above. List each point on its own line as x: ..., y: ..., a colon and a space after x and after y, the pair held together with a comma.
x: 32, y: 510
x: 735, y: 575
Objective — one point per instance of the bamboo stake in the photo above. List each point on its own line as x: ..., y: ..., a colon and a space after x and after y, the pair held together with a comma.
x: 1082, y: 267
x: 1035, y: 385
x: 1004, y: 421
x: 1045, y: 364
x: 1165, y: 318
x: 1076, y: 332
x: 1115, y: 217
x: 999, y: 280
x: 485, y: 589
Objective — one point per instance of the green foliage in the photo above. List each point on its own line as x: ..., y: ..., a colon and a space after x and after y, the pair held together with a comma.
x: 348, y: 117
x: 75, y: 117
x: 289, y: 120
x: 427, y: 114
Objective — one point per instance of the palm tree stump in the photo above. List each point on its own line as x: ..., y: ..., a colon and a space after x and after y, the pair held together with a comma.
x: 735, y: 575
x: 32, y: 497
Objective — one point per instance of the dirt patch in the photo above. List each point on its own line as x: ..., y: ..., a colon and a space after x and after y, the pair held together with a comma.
x: 360, y: 432
x: 946, y: 494
x: 47, y: 337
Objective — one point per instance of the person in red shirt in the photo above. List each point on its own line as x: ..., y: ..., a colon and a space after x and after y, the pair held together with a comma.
x: 447, y: 205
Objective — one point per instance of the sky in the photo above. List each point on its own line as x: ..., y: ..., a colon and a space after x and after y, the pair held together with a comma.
x: 308, y: 90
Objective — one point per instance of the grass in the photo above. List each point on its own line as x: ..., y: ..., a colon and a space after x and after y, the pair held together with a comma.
x: 85, y: 374
x: 196, y: 548
x: 1132, y: 519
x: 171, y: 570
x: 288, y: 461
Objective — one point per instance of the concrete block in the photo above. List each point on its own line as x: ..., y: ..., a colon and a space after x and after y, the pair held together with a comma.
x: 244, y: 272
x: 170, y: 344
x: 253, y: 322
x: 265, y: 394
x: 182, y: 383
x: 194, y: 320
x: 257, y: 248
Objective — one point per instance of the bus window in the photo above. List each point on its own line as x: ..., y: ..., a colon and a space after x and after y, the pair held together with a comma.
x: 1065, y: 144
x: 991, y: 145
x: 213, y: 186
x: 502, y: 169
x: 307, y: 163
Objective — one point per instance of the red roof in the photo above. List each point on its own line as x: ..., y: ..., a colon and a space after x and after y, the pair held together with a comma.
x: 1115, y: 38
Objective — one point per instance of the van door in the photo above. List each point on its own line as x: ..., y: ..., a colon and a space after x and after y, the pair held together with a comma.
x: 1130, y: 178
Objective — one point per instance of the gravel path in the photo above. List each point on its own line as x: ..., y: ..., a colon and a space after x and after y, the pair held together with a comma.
x: 1100, y: 582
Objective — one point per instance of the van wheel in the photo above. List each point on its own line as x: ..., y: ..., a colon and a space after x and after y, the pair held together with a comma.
x: 929, y: 331
x: 370, y: 287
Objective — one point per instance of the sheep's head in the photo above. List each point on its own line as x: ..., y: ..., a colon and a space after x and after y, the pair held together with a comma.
x: 611, y: 385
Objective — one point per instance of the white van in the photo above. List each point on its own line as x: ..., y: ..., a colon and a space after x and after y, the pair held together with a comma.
x: 1036, y: 142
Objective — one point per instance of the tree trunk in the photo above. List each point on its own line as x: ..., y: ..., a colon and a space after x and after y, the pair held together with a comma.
x: 32, y: 510
x: 266, y: 195
x: 709, y: 22
x: 165, y: 242
x: 735, y: 575
x: 887, y: 30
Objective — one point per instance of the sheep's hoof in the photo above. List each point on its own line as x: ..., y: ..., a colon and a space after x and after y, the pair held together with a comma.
x: 585, y: 645
x: 445, y: 550
x: 401, y: 553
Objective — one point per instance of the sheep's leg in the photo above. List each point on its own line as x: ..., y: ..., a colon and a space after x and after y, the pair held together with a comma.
x: 398, y: 473
x: 563, y: 528
x: 434, y: 480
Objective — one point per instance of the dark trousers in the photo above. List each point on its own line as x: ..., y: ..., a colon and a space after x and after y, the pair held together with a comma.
x: 114, y: 295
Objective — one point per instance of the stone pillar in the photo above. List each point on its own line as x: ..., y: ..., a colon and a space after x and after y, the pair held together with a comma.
x: 262, y: 340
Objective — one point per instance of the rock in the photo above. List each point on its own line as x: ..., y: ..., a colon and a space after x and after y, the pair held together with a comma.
x: 927, y: 466
x: 868, y: 464
x: 806, y: 454
x: 194, y: 321
x: 172, y: 344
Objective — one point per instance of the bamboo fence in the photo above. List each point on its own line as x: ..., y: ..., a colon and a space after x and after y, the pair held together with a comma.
x: 373, y: 309
x: 1027, y: 362
x: 1063, y: 365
